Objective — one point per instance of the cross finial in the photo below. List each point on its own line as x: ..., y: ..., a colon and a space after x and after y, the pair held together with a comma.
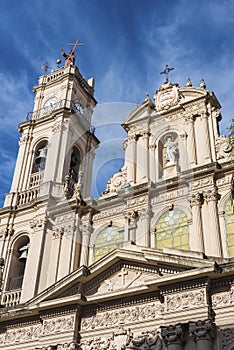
x: 166, y: 72
x: 70, y: 58
x: 77, y: 43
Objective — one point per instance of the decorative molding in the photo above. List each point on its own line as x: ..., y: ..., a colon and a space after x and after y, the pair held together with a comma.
x: 169, y: 195
x: 200, y: 183
x: 136, y: 201
x: 59, y: 324
x: 21, y: 335
x: 226, y: 338
x: 185, y: 300
x: 223, y: 298
x: 134, y: 314
x: 111, y: 212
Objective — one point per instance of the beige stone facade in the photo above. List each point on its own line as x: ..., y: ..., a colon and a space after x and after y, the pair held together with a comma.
x: 149, y: 264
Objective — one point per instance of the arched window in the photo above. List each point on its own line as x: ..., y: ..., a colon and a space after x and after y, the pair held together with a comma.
x: 74, y: 164
x: 172, y: 230
x: 40, y: 157
x: 107, y: 240
x: 229, y: 224
x: 18, y: 262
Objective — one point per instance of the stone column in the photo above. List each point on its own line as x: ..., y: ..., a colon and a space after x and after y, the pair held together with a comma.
x: 196, y: 239
x: 173, y: 336
x: 183, y: 151
x: 140, y: 159
x: 131, y: 218
x: 214, y: 249
x: 205, y: 137
x: 145, y: 164
x: 145, y: 215
x: 86, y: 231
x: 203, y: 334
x: 130, y: 158
x: 191, y: 146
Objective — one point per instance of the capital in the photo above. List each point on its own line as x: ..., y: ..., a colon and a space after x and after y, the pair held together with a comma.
x: 211, y: 195
x: 173, y: 334
x: 196, y: 199
x: 202, y: 330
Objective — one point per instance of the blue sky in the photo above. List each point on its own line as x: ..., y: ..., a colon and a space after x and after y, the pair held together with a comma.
x: 127, y: 44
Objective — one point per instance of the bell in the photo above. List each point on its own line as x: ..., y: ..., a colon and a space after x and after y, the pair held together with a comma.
x: 23, y: 254
x: 42, y: 156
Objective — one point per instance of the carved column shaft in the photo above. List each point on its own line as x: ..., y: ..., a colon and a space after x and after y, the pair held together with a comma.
x: 183, y: 152
x: 145, y: 142
x: 205, y: 136
x: 211, y: 197
x: 196, y: 240
x: 85, y: 234
x: 191, y: 141
x: 130, y: 158
x: 141, y: 162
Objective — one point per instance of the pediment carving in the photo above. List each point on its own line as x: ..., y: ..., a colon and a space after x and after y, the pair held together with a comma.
x: 125, y: 277
x: 166, y: 96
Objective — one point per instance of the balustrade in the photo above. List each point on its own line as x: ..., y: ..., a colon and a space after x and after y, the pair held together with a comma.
x: 27, y: 196
x: 36, y: 179
x: 11, y: 298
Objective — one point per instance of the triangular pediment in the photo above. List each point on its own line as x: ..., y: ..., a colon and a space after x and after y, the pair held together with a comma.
x: 119, y: 273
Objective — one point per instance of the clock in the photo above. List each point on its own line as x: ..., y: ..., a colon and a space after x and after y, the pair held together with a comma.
x: 79, y: 108
x: 49, y: 104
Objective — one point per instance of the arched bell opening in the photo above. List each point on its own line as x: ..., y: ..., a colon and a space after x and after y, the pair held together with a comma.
x: 40, y: 157
x: 74, y: 165
x: 19, y: 256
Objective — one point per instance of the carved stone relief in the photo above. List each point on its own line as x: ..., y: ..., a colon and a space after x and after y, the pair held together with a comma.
x: 223, y: 298
x: 125, y: 339
x: 117, y: 317
x: 34, y: 332
x: 166, y: 96
x: 185, y: 300
x: 223, y: 148
x: 226, y: 338
x: 117, y: 182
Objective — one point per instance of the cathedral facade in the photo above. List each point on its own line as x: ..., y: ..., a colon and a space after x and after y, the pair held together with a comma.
x: 149, y: 264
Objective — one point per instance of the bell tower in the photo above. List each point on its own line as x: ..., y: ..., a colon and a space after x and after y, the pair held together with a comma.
x: 54, y: 165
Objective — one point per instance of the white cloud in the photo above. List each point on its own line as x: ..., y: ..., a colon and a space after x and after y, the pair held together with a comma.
x: 16, y: 100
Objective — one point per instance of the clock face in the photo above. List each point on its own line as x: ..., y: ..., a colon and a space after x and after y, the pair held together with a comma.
x: 50, y: 102
x: 79, y: 108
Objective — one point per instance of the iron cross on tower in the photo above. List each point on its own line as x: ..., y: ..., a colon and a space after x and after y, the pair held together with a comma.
x: 77, y: 43
x: 166, y: 72
x: 70, y: 58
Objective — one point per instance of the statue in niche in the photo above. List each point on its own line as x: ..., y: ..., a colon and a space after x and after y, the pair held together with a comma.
x: 171, y: 151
